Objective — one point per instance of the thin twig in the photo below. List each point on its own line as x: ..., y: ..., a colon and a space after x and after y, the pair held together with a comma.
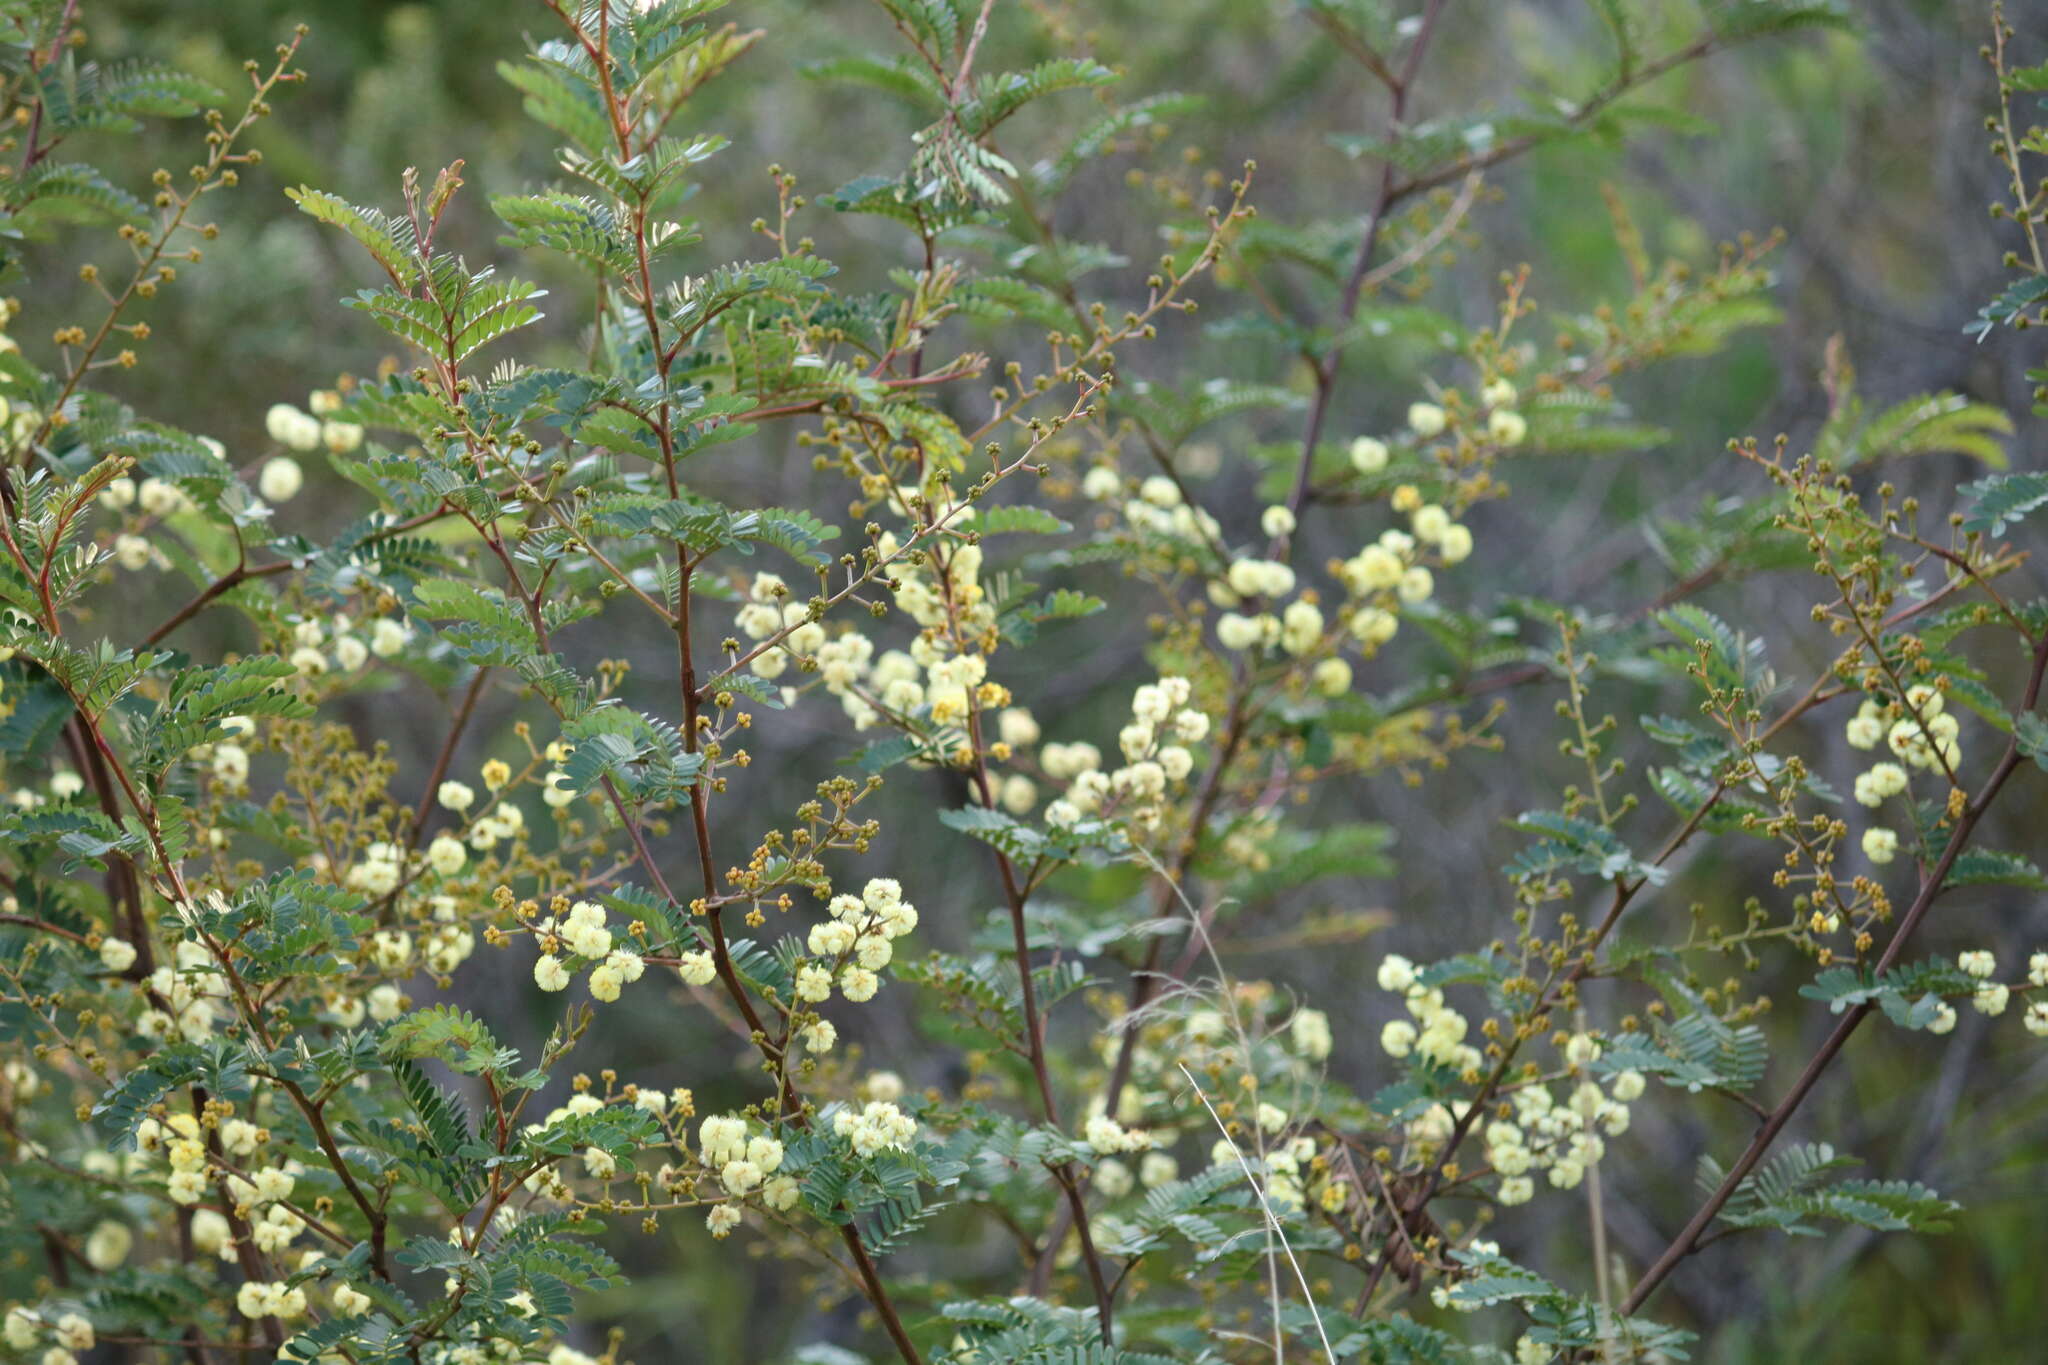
x: 1272, y: 1221
x: 1688, y: 1238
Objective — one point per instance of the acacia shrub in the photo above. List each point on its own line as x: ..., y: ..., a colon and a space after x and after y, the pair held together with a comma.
x: 254, y: 1111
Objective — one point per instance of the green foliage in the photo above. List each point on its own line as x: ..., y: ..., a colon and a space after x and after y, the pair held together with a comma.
x: 389, y: 240
x: 641, y: 757
x: 726, y: 574
x: 1571, y: 844
x: 1798, y: 1184
x: 1725, y: 657
x: 199, y: 701
x: 2003, y: 499
x: 1908, y: 995
x: 1563, y: 1321
x: 1349, y: 850
x: 1025, y: 1332
x: 1697, y: 1051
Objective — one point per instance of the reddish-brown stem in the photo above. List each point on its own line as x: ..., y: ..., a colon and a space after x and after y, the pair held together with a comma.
x: 1332, y: 359
x: 1688, y: 1238
x: 1014, y: 897
x: 1582, y: 965
x: 456, y: 726
x: 124, y: 880
x: 221, y: 586
x: 41, y: 926
x: 243, y: 572
x: 1145, y: 980
x: 878, y: 1296
x: 598, y: 49
x: 31, y: 152
x: 167, y: 228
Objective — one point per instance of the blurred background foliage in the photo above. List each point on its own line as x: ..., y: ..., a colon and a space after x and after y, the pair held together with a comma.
x: 1866, y: 149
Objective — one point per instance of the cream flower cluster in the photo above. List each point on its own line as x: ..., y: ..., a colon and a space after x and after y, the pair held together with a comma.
x: 1109, y: 1137
x: 446, y: 946
x: 1310, y: 1032
x: 944, y: 589
x: 868, y: 681
x: 255, y: 1299
x: 260, y: 1197
x: 1158, y: 509
x: 194, y: 991
x: 1560, y: 1138
x: 956, y: 679
x: 556, y: 790
x: 918, y: 590
x: 1505, y: 427
x: 583, y: 933
x: 895, y: 679
x: 877, y: 1126
x: 316, y: 430
x: 1017, y: 730
x: 1380, y: 580
x: 1880, y: 845
x: 25, y: 1328
x: 1925, y: 737
x: 151, y: 497
x: 503, y: 823
x: 1390, y: 570
x: 379, y: 871
x: 136, y: 503
x: 212, y: 1234
x: 746, y: 1166
x: 1286, y: 1187
x: 23, y: 1083
x: 744, y: 1163
x: 63, y: 784
x: 1299, y: 627
x: 1291, y: 1175
x: 340, y: 643
x: 1114, y: 1179
x: 1880, y: 783
x: 1924, y: 733
x: 1438, y: 1031
x: 280, y: 479
x: 852, y: 948
x: 1156, y: 760
x: 1991, y: 997
x: 108, y: 1244
x: 227, y: 760
x: 768, y: 611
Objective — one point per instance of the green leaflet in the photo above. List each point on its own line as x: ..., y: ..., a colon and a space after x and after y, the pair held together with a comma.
x: 2003, y: 499
x: 1798, y: 1184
